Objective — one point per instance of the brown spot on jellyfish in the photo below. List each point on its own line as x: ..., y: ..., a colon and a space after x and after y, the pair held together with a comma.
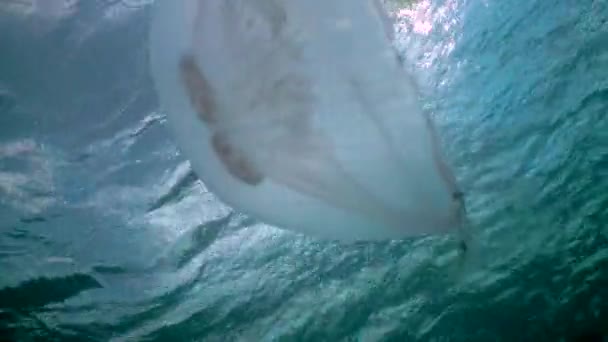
x: 235, y: 161
x: 198, y: 89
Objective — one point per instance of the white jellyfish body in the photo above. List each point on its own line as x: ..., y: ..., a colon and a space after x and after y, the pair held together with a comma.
x: 298, y: 113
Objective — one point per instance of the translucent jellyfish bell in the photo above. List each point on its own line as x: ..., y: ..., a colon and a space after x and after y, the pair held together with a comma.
x: 298, y: 113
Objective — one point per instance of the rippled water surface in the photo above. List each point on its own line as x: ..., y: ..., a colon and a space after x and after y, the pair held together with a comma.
x: 106, y: 234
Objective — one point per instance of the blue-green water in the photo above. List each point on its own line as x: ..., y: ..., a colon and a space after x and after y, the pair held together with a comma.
x: 106, y: 235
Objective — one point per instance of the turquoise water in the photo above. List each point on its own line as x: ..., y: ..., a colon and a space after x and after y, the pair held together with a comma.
x: 105, y: 233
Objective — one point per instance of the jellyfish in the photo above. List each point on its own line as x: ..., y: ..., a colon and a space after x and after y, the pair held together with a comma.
x: 300, y: 114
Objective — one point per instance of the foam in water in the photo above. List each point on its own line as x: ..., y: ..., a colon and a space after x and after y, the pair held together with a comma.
x: 299, y: 113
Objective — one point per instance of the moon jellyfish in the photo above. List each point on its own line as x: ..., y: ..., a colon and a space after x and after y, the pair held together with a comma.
x: 300, y: 114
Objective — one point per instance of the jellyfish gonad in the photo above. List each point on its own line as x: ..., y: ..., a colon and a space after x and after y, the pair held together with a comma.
x: 300, y: 114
